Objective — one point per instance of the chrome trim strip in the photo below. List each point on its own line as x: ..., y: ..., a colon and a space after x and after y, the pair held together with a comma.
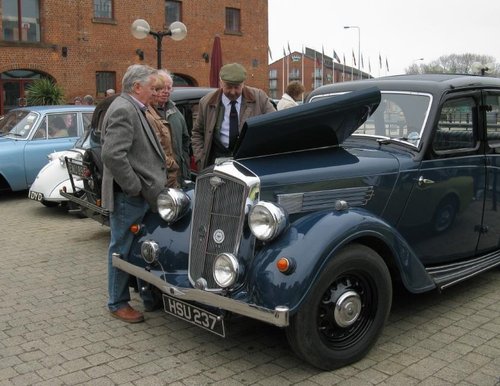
x: 278, y: 317
x: 451, y: 274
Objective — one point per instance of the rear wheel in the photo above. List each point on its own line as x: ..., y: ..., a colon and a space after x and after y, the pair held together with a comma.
x: 345, y: 310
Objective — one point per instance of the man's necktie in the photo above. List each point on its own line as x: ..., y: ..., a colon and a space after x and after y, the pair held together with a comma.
x: 233, y: 125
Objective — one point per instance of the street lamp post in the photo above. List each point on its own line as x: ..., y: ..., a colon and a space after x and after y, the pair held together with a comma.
x: 140, y: 29
x: 359, y: 43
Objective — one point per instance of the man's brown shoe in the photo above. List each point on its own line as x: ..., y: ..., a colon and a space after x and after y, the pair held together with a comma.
x: 128, y: 314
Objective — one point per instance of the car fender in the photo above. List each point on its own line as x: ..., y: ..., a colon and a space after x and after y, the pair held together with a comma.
x: 173, y: 241
x: 311, y: 242
x: 51, y: 179
x: 12, y: 163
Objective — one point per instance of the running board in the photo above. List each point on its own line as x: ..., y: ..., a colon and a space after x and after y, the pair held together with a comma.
x: 447, y: 275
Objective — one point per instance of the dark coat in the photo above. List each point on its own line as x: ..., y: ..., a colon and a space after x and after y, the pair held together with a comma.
x: 254, y: 102
x: 131, y: 154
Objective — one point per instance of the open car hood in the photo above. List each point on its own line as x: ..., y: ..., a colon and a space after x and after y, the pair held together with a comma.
x: 327, y: 122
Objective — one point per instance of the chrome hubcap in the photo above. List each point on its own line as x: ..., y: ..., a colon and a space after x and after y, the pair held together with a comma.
x: 347, y: 309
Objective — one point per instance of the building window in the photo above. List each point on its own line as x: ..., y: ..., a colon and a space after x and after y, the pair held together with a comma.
x: 294, y: 74
x: 104, y: 81
x: 173, y: 11
x: 273, y: 74
x: 21, y: 20
x: 233, y: 20
x: 103, y: 9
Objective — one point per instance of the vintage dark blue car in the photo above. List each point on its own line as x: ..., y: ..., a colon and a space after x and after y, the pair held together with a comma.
x: 326, y: 206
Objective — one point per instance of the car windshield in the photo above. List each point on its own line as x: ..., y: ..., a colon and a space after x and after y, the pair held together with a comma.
x: 400, y: 116
x: 18, y: 123
x: 11, y: 119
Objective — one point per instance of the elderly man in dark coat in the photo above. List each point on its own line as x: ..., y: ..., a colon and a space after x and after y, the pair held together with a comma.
x: 222, y: 113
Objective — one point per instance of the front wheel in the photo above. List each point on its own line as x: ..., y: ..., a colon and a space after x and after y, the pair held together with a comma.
x: 345, y: 311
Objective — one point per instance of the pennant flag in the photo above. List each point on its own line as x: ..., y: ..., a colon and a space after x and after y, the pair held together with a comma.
x: 318, y: 62
x: 322, y: 53
x: 353, y: 58
x: 386, y: 64
x: 335, y: 56
x: 380, y: 60
x: 289, y: 51
x: 343, y: 55
x: 369, y: 66
x: 362, y: 62
x: 284, y: 52
x: 269, y: 52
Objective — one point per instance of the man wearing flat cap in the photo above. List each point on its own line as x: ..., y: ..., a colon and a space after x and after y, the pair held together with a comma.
x: 223, y: 112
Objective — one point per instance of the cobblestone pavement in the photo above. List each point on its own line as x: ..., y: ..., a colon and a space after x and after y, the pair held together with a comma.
x: 55, y: 329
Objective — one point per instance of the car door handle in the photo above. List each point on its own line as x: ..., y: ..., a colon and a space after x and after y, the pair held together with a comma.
x: 424, y: 181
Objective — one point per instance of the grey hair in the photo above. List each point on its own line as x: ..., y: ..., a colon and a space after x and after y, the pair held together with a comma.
x: 166, y: 74
x: 136, y: 73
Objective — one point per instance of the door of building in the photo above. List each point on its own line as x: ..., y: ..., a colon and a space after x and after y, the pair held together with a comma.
x: 13, y: 86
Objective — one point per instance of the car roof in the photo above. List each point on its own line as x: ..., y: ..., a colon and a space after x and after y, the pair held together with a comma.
x: 432, y: 83
x: 56, y: 108
x: 181, y: 93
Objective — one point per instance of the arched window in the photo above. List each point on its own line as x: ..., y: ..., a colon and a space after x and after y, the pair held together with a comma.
x: 13, y: 85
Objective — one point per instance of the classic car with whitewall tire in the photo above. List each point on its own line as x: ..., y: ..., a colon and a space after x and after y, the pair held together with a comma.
x: 325, y: 209
x: 30, y: 134
x: 85, y: 173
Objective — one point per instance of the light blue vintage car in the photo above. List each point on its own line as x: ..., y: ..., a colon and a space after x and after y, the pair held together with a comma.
x: 30, y: 134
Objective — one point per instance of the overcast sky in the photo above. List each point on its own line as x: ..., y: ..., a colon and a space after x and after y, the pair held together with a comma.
x: 400, y: 30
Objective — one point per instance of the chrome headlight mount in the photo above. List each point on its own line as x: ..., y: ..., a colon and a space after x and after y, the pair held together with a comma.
x: 172, y: 204
x: 267, y: 220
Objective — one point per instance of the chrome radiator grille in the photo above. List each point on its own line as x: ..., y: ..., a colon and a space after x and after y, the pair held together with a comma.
x: 216, y: 224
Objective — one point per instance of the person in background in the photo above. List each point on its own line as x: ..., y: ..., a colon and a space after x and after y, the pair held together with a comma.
x: 134, y: 175
x: 294, y: 92
x: 88, y: 100
x: 109, y: 92
x: 181, y: 141
x: 223, y: 112
x: 22, y: 102
x: 77, y: 100
x: 164, y: 133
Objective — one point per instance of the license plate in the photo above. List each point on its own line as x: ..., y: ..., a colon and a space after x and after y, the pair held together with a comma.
x: 36, y: 196
x: 76, y: 169
x: 195, y: 315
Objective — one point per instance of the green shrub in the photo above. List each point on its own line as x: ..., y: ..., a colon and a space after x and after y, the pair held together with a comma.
x: 43, y: 92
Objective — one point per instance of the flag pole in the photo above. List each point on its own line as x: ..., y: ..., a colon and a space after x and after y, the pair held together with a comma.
x: 302, y: 68
x: 283, y: 78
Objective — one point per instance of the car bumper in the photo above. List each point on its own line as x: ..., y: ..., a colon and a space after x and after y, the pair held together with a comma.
x: 278, y: 316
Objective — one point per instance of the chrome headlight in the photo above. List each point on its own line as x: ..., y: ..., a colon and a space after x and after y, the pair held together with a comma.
x: 62, y: 161
x: 172, y: 204
x: 226, y: 270
x: 267, y: 220
x: 150, y: 250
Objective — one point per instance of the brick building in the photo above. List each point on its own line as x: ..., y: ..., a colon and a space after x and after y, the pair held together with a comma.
x: 313, y: 69
x: 86, y: 45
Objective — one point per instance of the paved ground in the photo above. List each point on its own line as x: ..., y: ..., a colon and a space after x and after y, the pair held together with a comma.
x: 55, y: 330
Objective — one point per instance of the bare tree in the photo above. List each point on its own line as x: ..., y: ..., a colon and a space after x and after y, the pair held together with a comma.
x: 458, y: 64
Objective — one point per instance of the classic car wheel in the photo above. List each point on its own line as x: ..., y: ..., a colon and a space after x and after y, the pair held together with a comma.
x: 345, y: 311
